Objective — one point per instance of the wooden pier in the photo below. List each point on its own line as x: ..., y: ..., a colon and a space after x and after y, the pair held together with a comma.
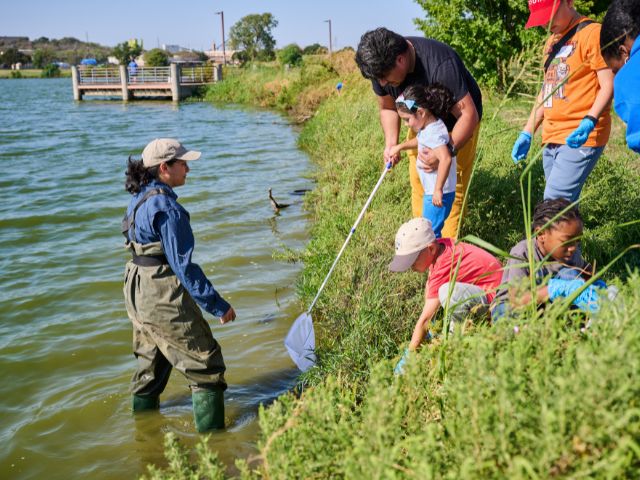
x: 175, y: 82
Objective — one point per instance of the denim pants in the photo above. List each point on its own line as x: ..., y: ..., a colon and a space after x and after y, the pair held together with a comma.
x: 566, y: 169
x: 437, y: 215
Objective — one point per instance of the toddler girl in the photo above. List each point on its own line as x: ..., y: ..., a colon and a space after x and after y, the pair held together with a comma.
x: 422, y: 109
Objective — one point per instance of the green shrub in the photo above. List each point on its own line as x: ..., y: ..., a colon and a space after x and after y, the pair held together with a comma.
x: 290, y: 55
x: 487, y: 33
x: 156, y: 57
x: 50, y: 71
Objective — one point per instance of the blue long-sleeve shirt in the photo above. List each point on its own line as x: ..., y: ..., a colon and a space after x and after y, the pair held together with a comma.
x: 162, y: 219
x: 626, y: 97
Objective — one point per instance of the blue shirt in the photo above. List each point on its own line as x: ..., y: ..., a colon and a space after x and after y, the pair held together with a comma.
x: 626, y: 97
x: 162, y: 219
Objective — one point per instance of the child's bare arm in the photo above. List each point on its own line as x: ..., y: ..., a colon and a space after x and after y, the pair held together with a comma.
x: 408, y: 145
x: 518, y: 298
x: 444, y: 158
x: 431, y: 306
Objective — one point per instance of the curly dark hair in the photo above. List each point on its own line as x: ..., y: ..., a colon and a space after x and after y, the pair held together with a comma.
x: 556, y: 211
x: 435, y: 98
x: 621, y: 21
x: 137, y: 175
x: 377, y: 52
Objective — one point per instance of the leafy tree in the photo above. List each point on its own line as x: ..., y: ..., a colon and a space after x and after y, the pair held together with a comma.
x: 43, y: 57
x: 291, y: 55
x: 252, y: 35
x: 50, y: 71
x: 12, y: 56
x: 314, y: 49
x: 156, y: 57
x: 127, y: 51
x: 487, y: 33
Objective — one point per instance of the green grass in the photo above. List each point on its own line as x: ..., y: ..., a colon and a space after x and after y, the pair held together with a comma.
x: 30, y: 73
x: 548, y: 402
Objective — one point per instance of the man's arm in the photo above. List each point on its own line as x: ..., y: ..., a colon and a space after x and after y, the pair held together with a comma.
x: 390, y: 121
x: 431, y: 306
x: 467, y: 114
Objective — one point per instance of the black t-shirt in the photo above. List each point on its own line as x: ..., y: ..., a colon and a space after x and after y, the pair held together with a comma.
x: 437, y: 62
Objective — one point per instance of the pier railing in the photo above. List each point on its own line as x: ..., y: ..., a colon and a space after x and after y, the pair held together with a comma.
x: 149, y: 74
x: 98, y: 76
x: 138, y: 75
x: 175, y: 81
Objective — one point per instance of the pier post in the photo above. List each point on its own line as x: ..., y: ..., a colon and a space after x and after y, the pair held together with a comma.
x: 124, y: 81
x: 217, y: 73
x: 175, y: 82
x: 75, y: 80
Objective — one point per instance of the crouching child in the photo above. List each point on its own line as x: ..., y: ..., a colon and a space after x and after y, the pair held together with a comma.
x: 559, y: 268
x: 468, y: 273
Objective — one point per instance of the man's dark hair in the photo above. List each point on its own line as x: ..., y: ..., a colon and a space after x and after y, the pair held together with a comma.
x: 435, y: 98
x: 377, y: 52
x: 555, y: 211
x: 621, y: 21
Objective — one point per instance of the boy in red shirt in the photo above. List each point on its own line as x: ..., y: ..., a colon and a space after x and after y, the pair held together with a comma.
x: 478, y: 275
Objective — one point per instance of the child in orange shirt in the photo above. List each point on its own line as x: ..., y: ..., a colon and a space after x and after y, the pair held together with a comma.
x: 574, y: 103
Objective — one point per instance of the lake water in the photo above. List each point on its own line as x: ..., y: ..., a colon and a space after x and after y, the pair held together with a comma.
x: 65, y: 339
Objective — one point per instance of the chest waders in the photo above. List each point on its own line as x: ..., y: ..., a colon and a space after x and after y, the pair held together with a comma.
x: 169, y: 331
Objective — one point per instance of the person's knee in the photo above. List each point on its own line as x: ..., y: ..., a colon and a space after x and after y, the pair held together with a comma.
x: 443, y: 293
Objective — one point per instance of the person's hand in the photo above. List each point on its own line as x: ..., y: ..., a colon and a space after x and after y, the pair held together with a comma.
x: 392, y: 155
x: 563, y: 288
x: 577, y: 138
x: 399, y: 369
x: 427, y: 161
x: 436, y: 199
x: 588, y: 300
x: 521, y: 147
x: 230, y: 316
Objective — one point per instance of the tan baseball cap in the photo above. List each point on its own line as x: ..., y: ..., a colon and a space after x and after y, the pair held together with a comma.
x: 412, y: 237
x: 162, y: 150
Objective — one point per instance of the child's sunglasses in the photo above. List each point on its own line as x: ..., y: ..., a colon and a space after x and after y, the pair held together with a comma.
x: 408, y: 104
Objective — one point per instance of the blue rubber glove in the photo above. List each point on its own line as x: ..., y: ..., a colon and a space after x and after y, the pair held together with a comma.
x: 577, y: 138
x: 399, y: 370
x: 588, y: 300
x: 521, y: 147
x: 562, y: 288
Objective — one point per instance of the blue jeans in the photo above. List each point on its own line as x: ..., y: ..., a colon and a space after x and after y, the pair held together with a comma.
x: 566, y: 169
x: 437, y: 215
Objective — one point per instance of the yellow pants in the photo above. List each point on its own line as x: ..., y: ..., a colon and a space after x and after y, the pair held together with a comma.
x: 464, y: 161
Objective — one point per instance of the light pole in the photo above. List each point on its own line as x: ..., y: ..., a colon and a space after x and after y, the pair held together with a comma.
x: 330, y: 46
x: 224, y: 51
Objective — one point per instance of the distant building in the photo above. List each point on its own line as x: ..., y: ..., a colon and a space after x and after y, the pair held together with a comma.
x: 217, y: 56
x: 174, y: 48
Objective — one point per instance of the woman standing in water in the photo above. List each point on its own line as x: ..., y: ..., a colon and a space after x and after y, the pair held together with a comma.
x: 163, y: 288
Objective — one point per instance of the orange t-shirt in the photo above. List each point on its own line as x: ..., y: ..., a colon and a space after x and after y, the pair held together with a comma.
x: 579, y: 59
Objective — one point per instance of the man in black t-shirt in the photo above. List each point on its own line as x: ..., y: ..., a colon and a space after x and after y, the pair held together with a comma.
x: 392, y: 63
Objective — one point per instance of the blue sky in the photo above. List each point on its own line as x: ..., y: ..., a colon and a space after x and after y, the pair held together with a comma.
x: 194, y: 24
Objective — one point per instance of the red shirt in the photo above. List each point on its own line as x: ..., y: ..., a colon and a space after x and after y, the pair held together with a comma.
x: 477, y: 267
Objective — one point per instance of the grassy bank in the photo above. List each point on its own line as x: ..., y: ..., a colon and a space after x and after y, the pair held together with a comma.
x: 30, y: 73
x: 548, y: 401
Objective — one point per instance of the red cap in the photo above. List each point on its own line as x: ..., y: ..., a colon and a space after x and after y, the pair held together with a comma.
x: 541, y: 12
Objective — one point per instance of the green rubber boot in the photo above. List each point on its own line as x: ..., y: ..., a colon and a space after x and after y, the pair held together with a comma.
x: 147, y: 402
x: 208, y: 409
